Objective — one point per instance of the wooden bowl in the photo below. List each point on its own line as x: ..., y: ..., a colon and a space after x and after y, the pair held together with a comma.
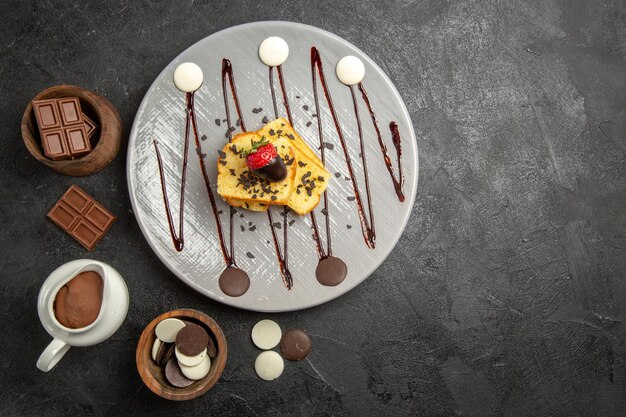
x: 153, y: 375
x: 107, y: 140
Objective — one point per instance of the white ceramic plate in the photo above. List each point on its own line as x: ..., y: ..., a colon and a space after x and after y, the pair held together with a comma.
x: 162, y: 116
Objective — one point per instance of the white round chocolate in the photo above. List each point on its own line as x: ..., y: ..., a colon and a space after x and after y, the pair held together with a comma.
x: 189, y: 360
x: 155, y: 348
x: 199, y: 371
x: 188, y: 77
x: 350, y: 70
x: 269, y: 365
x: 167, y: 329
x: 266, y: 334
x: 273, y: 51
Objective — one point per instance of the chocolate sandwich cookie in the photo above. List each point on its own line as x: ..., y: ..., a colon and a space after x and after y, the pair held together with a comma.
x: 175, y: 376
x: 295, y: 345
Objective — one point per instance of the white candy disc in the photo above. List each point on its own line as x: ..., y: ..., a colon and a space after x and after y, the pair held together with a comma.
x: 199, y: 371
x: 273, y: 51
x: 189, y: 360
x: 188, y: 77
x: 350, y: 70
x: 266, y: 334
x: 168, y: 329
x: 155, y: 348
x: 269, y: 365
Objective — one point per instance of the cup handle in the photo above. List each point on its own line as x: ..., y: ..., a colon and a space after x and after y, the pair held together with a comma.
x: 52, y: 355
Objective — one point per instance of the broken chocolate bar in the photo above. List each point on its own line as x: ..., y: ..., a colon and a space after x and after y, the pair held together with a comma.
x: 83, y: 218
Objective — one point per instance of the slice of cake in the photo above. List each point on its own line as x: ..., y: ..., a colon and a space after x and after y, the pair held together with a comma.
x: 281, y: 128
x: 236, y: 183
x: 311, y: 177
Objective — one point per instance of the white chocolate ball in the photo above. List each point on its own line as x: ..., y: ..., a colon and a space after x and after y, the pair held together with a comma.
x: 350, y: 70
x: 266, y: 334
x: 188, y: 77
x: 273, y: 51
x: 269, y: 365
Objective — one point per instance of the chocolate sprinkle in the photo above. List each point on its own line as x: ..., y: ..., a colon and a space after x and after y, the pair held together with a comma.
x: 222, y: 154
x: 329, y: 146
x: 308, y: 124
x: 265, y: 120
x: 349, y: 226
x: 203, y: 137
x: 351, y: 198
x: 305, y: 107
x: 250, y: 255
x: 278, y: 225
x: 217, y: 122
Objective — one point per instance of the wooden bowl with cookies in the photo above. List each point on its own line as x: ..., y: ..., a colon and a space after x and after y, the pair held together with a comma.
x: 181, y: 354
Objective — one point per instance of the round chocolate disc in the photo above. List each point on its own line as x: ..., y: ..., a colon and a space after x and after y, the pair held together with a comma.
x: 234, y: 282
x: 211, y: 349
x: 192, y: 340
x: 331, y: 271
x: 175, y: 376
x: 165, y: 353
x: 295, y: 345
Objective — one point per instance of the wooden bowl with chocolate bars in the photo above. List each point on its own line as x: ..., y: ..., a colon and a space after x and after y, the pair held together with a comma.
x: 72, y: 130
x: 181, y: 354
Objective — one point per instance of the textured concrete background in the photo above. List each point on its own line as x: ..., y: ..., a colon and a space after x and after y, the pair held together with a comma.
x: 505, y: 296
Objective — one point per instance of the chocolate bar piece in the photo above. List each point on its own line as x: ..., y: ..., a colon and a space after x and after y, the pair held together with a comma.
x: 62, y: 128
x: 90, y: 126
x: 83, y: 218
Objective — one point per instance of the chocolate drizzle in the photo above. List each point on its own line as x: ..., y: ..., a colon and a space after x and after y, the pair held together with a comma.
x: 229, y: 254
x: 233, y: 281
x: 177, y: 239
x: 398, y: 182
x: 369, y: 234
x: 330, y: 270
x: 227, y: 71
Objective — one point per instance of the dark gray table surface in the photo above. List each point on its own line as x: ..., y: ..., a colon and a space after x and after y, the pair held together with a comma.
x: 506, y: 294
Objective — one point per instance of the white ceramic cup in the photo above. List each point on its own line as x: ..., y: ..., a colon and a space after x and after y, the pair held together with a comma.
x: 112, y: 310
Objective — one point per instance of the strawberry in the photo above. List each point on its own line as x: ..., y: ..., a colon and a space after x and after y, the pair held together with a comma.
x: 263, y: 161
